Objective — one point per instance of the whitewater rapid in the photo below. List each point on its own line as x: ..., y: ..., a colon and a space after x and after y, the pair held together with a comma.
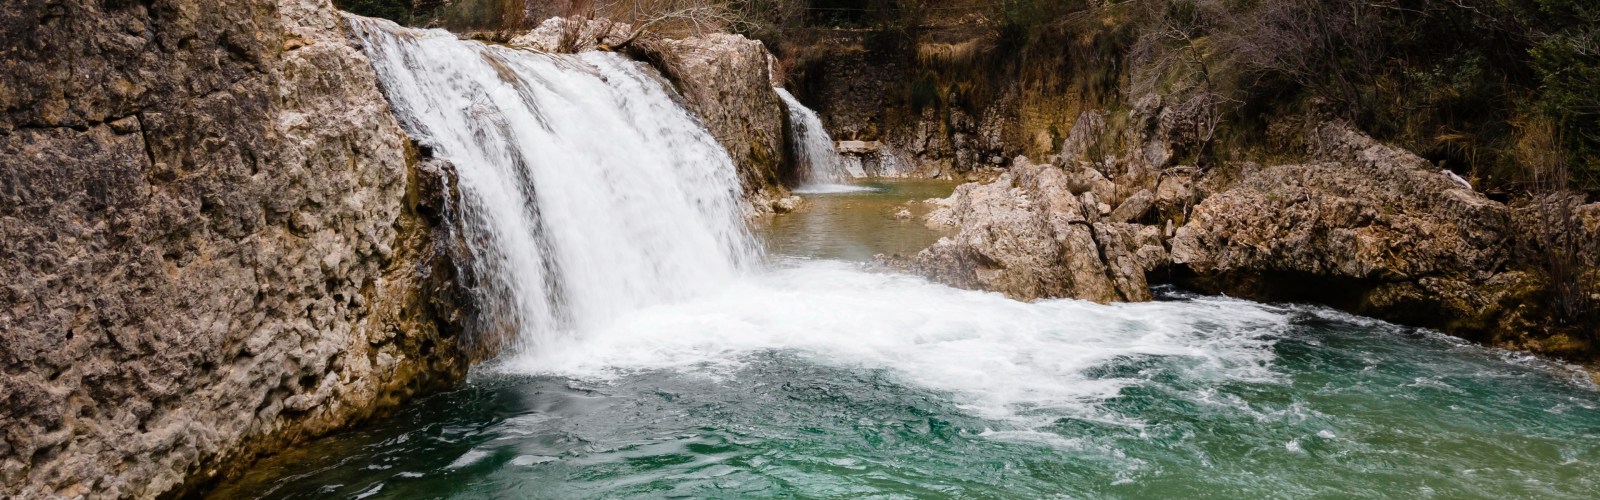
x: 1027, y: 363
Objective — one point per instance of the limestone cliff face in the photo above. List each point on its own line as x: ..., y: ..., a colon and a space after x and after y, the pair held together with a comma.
x: 952, y: 93
x: 928, y: 127
x: 216, y: 242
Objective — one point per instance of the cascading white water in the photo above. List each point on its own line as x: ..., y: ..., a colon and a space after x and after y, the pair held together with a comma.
x: 588, y: 191
x: 823, y: 170
x: 595, y: 203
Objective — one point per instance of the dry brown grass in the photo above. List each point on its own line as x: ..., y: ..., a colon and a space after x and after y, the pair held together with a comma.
x: 1561, y: 243
x: 955, y: 55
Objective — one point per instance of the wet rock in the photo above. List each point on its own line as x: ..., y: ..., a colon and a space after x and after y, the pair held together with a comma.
x: 1130, y: 253
x: 787, y: 204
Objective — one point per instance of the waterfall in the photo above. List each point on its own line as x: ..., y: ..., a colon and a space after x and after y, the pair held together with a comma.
x: 813, y: 148
x: 588, y: 192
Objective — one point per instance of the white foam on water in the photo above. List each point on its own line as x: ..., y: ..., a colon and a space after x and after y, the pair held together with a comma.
x: 531, y: 460
x: 999, y: 358
x: 831, y: 189
x: 369, y: 492
x: 470, y: 457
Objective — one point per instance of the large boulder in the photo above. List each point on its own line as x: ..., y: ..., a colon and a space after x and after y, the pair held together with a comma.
x: 1359, y: 225
x: 1030, y: 234
x: 216, y: 244
x: 1364, y: 225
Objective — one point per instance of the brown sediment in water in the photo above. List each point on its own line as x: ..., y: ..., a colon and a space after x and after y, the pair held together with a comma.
x: 858, y: 225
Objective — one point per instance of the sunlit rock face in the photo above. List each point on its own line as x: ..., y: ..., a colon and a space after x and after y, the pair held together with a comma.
x: 216, y: 243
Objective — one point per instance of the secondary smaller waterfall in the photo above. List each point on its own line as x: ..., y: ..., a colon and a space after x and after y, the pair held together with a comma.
x: 813, y: 148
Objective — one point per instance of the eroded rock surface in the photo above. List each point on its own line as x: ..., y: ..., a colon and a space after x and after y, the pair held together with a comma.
x: 1367, y: 211
x: 1035, y: 233
x: 566, y: 35
x: 215, y: 243
x: 1388, y: 232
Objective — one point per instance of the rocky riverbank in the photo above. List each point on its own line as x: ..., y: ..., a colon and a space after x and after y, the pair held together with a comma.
x: 1358, y: 224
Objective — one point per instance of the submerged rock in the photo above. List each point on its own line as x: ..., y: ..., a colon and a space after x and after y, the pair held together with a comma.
x: 787, y: 204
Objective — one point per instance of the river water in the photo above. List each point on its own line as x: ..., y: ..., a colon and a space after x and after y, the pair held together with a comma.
x: 685, y: 361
